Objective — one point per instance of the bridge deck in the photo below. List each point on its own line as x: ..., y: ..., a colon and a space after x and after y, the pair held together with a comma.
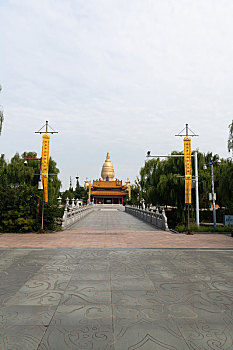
x: 111, y: 218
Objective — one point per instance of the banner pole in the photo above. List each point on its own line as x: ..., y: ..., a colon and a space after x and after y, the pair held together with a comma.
x: 42, y: 215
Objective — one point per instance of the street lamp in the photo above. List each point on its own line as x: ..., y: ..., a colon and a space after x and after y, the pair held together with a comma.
x: 211, y: 165
x: 40, y: 186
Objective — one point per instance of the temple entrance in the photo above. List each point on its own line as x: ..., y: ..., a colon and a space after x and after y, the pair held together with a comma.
x: 108, y: 200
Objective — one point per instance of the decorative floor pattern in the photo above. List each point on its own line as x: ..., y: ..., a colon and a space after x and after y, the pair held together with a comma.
x: 116, y: 299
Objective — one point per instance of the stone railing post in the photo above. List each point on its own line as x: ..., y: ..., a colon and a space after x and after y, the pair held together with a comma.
x: 154, y: 218
x: 64, y: 218
x: 67, y: 202
x: 165, y: 225
x: 75, y: 213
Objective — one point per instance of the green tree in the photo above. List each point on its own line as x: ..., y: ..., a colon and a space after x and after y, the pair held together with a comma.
x: 67, y: 194
x: 18, y: 208
x: 15, y: 173
x: 230, y: 139
x: 224, y: 184
x: 162, y: 182
x: 80, y: 192
x: 20, y: 199
x: 135, y: 190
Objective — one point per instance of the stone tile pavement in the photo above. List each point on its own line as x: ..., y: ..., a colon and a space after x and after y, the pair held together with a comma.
x: 111, y: 220
x: 116, y: 299
x: 85, y: 289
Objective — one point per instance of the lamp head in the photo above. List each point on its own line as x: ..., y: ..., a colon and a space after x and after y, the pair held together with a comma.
x: 204, y: 166
x: 40, y: 185
x: 25, y: 162
x: 148, y: 153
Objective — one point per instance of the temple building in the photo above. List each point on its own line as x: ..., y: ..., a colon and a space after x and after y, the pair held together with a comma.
x: 107, y: 190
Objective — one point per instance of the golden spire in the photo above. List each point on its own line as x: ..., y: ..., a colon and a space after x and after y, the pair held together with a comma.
x: 107, y: 172
x: 86, y: 183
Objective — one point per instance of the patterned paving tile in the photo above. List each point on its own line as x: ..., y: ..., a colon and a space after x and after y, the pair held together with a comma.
x: 24, y: 315
x: 148, y: 335
x: 207, y: 333
x: 21, y: 337
x: 88, y: 336
x: 116, y: 299
x: 74, y: 315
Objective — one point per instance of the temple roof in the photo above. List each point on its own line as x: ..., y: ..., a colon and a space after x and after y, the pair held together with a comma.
x: 107, y: 184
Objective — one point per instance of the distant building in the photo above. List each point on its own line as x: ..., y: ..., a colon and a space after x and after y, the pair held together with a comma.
x: 107, y: 190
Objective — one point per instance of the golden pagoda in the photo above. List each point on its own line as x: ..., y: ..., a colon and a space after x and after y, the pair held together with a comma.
x: 107, y: 172
x: 107, y: 190
x: 86, y: 183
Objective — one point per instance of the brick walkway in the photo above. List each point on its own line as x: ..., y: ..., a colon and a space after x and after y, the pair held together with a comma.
x: 114, y: 229
x: 110, y: 239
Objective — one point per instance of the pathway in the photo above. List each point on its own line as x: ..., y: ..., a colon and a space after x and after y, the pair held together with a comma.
x: 59, y: 292
x: 111, y: 228
x: 111, y: 219
x: 111, y: 299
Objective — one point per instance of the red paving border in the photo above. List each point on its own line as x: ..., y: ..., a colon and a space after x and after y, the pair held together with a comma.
x: 115, y: 239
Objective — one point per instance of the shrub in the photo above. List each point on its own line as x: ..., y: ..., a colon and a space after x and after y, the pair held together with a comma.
x: 194, y: 228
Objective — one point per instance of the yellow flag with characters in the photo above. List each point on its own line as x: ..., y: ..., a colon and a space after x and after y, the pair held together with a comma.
x: 45, y: 165
x: 188, y: 170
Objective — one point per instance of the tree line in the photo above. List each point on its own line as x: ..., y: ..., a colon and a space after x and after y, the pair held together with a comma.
x: 161, y: 182
x: 20, y: 198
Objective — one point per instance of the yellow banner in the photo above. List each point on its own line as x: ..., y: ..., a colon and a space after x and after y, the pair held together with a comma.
x: 45, y: 185
x: 129, y: 189
x: 188, y: 191
x: 45, y: 165
x: 89, y: 194
x: 188, y: 170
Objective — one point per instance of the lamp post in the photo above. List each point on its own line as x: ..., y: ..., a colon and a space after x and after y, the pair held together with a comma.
x: 42, y: 212
x: 211, y: 165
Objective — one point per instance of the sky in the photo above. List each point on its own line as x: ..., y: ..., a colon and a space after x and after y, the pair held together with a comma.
x: 117, y: 76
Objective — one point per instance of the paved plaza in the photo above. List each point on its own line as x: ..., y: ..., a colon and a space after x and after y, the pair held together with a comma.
x: 148, y: 299
x: 58, y: 293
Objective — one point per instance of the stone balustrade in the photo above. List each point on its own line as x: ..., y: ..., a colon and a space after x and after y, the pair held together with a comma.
x: 155, y: 218
x: 74, y: 213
